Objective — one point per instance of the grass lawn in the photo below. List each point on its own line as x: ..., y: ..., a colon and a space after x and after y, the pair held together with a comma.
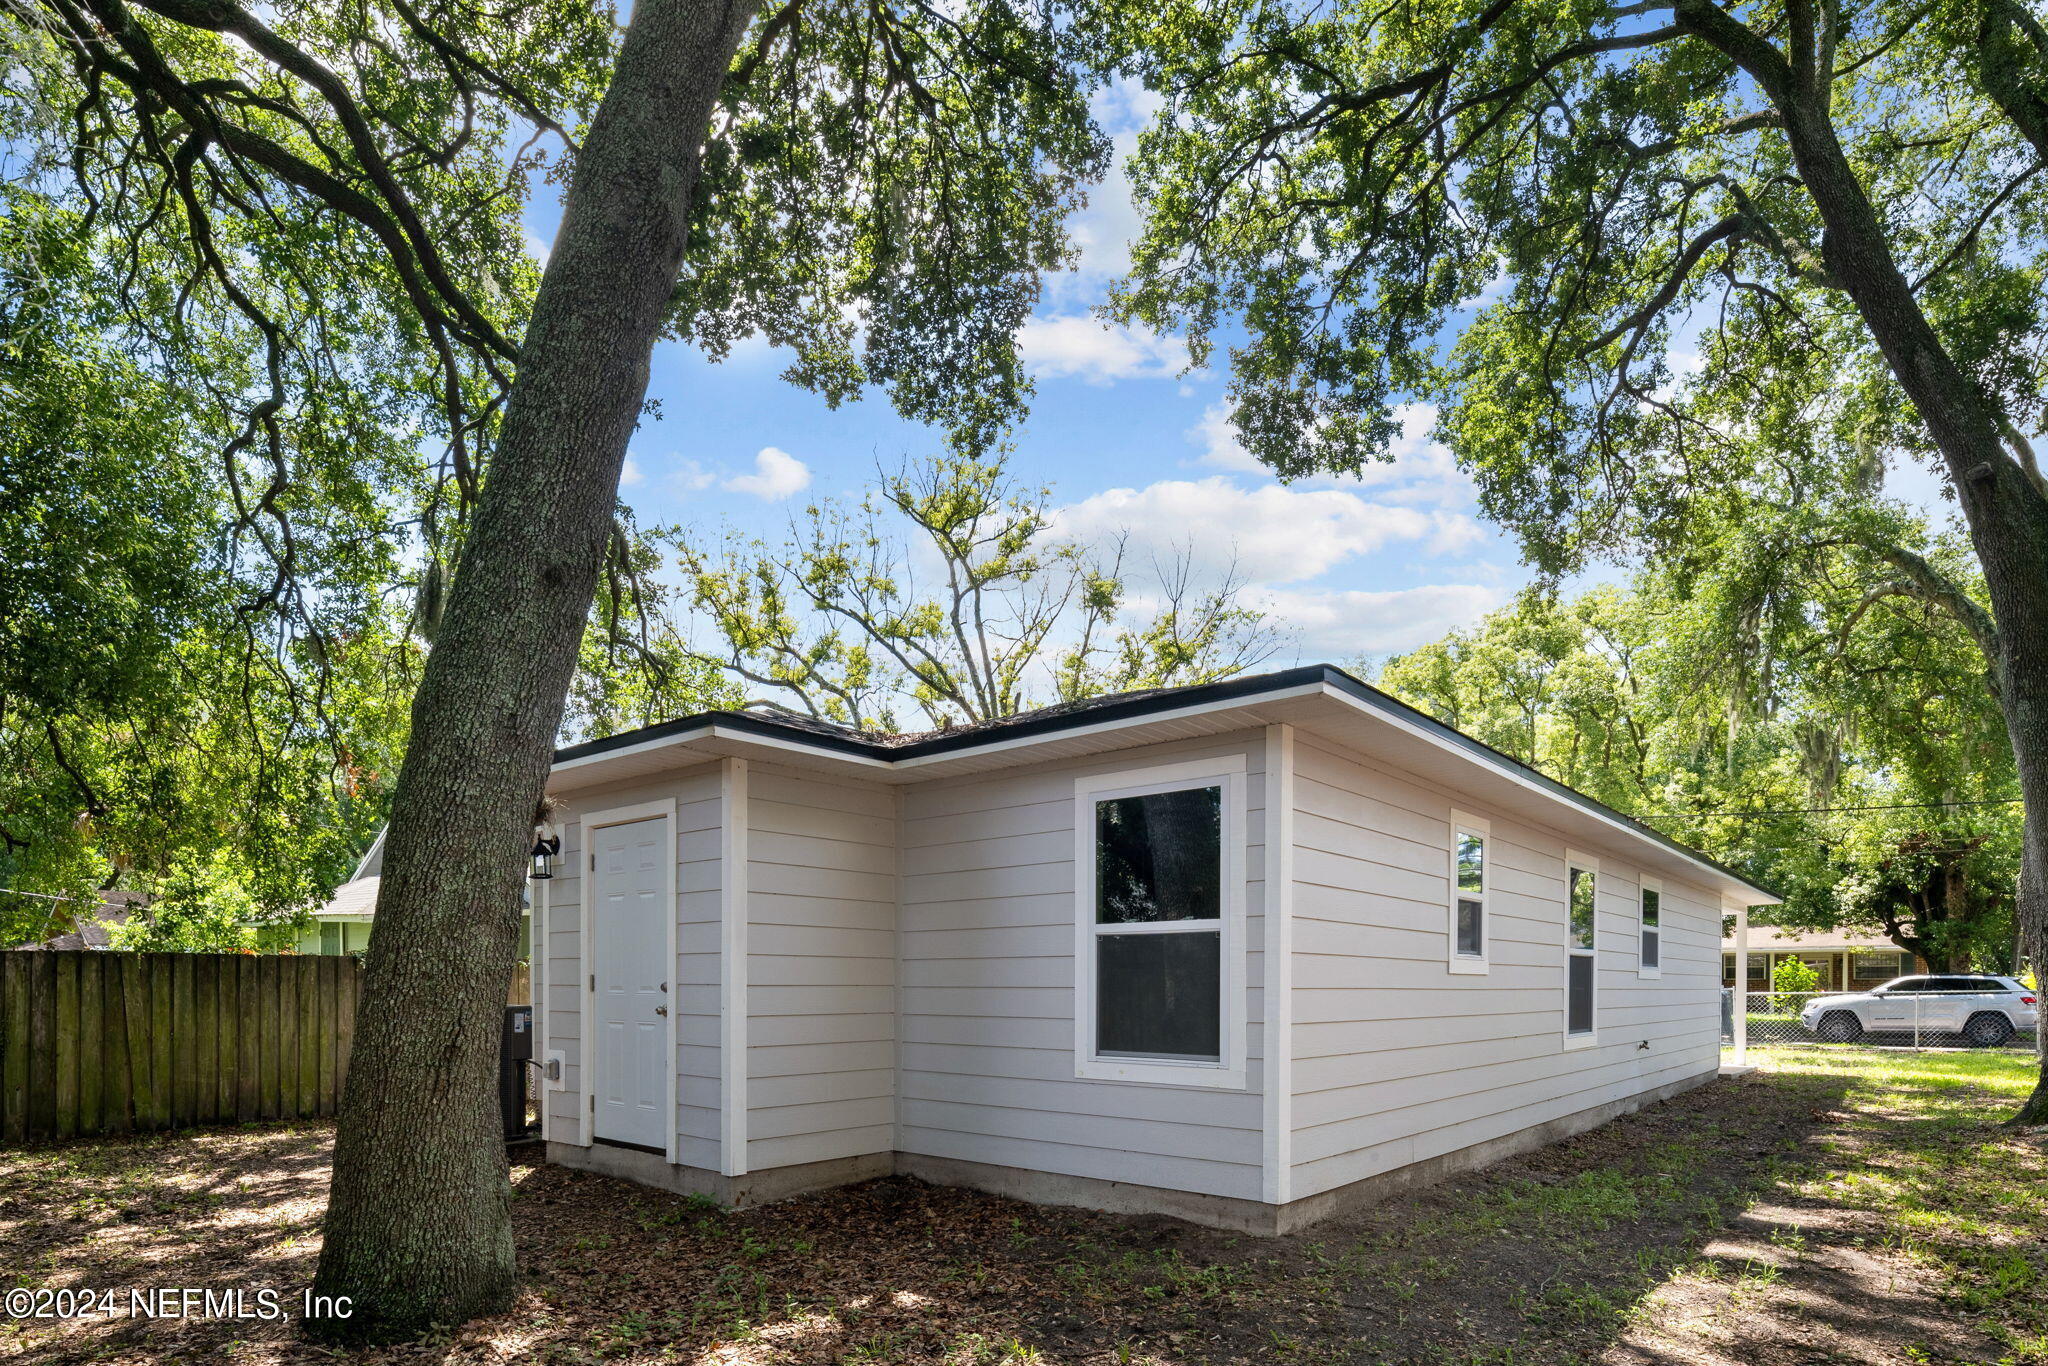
x: 1843, y: 1206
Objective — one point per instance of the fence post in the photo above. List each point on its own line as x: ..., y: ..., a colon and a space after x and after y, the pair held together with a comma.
x: 1741, y: 986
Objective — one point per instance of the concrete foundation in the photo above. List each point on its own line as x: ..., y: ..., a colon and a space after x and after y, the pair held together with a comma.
x: 735, y: 1192
x: 1088, y: 1192
x: 1385, y: 1185
x: 1113, y: 1197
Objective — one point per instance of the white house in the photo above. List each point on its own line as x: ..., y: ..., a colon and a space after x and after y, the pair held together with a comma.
x: 1241, y: 953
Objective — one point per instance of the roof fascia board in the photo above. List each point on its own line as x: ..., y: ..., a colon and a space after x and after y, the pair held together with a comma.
x: 1443, y: 738
x: 1308, y: 681
x: 998, y: 746
x: 721, y: 730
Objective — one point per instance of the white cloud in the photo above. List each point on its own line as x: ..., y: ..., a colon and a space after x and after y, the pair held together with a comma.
x: 667, y: 470
x: 1492, y: 292
x: 1337, y: 625
x: 1084, y: 347
x: 537, y: 249
x: 1104, y: 231
x: 1217, y: 435
x: 777, y: 474
x: 1272, y: 534
x: 1420, y: 470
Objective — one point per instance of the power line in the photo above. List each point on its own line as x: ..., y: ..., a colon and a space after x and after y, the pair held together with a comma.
x: 1831, y: 810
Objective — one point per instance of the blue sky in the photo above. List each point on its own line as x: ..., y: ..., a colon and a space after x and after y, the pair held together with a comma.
x: 1130, y: 444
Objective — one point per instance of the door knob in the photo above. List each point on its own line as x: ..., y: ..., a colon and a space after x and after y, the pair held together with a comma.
x: 661, y: 1010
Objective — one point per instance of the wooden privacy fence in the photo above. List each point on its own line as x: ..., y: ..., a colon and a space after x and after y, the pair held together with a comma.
x: 100, y: 1042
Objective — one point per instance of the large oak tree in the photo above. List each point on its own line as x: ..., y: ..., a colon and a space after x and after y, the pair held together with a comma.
x: 1530, y: 212
x: 876, y: 186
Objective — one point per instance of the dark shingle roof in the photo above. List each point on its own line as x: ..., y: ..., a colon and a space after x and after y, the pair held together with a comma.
x: 92, y: 931
x: 827, y: 736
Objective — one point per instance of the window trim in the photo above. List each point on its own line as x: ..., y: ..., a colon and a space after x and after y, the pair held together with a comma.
x: 1585, y: 864
x: 1645, y: 884
x: 1465, y: 964
x: 1228, y: 1072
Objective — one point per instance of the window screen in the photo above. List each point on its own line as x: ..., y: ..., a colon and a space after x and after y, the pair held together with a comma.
x: 1158, y: 925
x: 1159, y: 995
x: 1579, y: 1015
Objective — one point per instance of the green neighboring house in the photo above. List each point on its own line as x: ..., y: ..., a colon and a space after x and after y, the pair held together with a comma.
x: 342, y: 926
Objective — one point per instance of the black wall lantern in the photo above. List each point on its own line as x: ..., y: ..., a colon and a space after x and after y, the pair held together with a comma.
x: 545, y: 847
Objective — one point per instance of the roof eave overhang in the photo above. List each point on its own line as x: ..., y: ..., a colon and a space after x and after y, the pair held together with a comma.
x: 1316, y: 699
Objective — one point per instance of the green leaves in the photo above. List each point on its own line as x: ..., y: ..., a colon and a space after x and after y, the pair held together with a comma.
x: 1583, y: 236
x: 949, y: 590
x: 1800, y: 712
x: 267, y: 272
x: 885, y: 188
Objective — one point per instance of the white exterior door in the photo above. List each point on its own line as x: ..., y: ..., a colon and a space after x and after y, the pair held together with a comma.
x: 629, y: 925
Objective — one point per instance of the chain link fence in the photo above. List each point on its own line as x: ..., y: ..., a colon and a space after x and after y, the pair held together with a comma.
x: 1775, y: 1019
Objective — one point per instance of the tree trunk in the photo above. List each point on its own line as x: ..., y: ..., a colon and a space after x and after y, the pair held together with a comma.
x: 2006, y: 513
x: 418, y: 1226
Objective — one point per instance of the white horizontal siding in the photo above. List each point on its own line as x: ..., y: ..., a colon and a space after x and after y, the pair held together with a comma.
x: 910, y: 978
x: 821, y: 968
x: 1396, y: 1059
x: 694, y: 983
x: 987, y: 996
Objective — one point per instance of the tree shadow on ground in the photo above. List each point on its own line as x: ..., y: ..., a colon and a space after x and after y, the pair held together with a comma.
x: 1673, y: 1235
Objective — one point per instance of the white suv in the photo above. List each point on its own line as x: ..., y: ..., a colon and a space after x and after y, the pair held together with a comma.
x: 1986, y: 1011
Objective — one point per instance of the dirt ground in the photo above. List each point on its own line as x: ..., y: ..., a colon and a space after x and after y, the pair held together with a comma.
x: 1839, y: 1208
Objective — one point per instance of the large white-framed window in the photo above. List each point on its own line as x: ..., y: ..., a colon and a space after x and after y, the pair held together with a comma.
x: 1470, y: 903
x: 1581, y: 948
x: 1159, y: 933
x: 1650, y: 929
